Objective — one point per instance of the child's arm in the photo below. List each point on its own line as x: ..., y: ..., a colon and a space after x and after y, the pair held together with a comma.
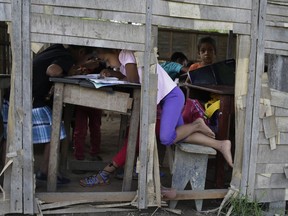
x: 132, y: 73
x: 86, y: 68
x: 111, y: 73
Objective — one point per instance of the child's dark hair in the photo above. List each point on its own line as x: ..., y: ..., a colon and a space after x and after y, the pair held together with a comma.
x: 178, y: 57
x: 208, y: 40
x: 88, y: 50
x: 101, y: 50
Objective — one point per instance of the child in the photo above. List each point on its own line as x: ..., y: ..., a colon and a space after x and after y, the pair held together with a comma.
x: 206, y: 51
x: 176, y: 66
x: 85, y: 116
x: 88, y: 117
x: 56, y: 60
x: 171, y: 100
x: 207, y: 54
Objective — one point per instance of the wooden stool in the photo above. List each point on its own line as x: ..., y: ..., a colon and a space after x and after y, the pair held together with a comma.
x: 190, y: 165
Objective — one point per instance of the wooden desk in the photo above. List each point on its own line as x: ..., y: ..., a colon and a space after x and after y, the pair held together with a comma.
x: 226, y: 94
x: 114, y: 100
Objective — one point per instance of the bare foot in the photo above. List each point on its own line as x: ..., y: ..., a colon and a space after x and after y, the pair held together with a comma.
x: 203, y: 128
x: 225, y: 149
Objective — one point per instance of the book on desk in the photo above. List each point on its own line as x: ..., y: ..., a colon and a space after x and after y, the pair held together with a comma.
x: 219, y: 73
x: 93, y: 81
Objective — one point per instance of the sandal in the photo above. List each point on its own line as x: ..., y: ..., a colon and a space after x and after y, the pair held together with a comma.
x: 102, y: 178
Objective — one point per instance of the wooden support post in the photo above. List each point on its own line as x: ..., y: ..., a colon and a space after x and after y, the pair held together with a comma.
x: 54, y: 144
x: 19, y: 181
x: 132, y: 141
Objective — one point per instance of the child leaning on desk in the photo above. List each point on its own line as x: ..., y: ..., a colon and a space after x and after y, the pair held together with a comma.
x: 171, y: 99
x: 55, y: 61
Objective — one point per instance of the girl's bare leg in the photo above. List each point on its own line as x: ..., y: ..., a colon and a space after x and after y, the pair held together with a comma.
x: 223, y: 146
x: 198, y: 125
x: 203, y: 128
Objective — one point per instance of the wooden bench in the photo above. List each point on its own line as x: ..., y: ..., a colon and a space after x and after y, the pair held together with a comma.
x: 190, y: 165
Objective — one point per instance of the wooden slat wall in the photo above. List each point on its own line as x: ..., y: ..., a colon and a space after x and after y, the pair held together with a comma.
x: 90, y: 23
x: 211, y: 16
x: 277, y: 28
x: 5, y: 8
x: 271, y: 181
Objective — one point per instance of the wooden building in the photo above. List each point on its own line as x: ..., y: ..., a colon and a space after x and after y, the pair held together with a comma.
x: 261, y: 99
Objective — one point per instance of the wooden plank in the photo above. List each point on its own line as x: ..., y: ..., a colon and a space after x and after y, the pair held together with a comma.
x: 250, y: 100
x: 270, y: 195
x: 239, y: 141
x: 275, y: 180
x: 106, y: 197
x: 126, y: 5
x: 114, y: 101
x: 121, y: 16
x: 276, y: 52
x: 102, y: 197
x: 269, y: 168
x: 276, y: 45
x: 55, y: 136
x: 279, y: 155
x: 279, y: 10
x: 270, y: 126
x: 138, y: 7
x: 282, y: 124
x: 62, y: 39
x: 282, y: 138
x: 243, y: 52
x: 145, y: 107
x: 203, y: 194
x: 87, y: 209
x: 4, y: 206
x: 276, y: 18
x: 87, y: 28
x: 265, y: 92
x: 242, y: 68
x: 262, y: 181
x: 276, y: 34
x: 204, y: 25
x: 15, y: 135
x: 245, y: 4
x: 279, y: 99
x: 276, y: 24
x: 28, y: 158
x: 132, y: 141
x: 5, y: 14
x: 259, y: 69
x: 204, y: 12
x: 281, y: 112
x: 156, y: 174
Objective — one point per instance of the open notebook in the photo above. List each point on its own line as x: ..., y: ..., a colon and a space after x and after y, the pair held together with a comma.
x: 219, y: 73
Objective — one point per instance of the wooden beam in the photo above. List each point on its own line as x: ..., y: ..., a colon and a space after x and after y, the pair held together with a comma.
x: 105, y: 197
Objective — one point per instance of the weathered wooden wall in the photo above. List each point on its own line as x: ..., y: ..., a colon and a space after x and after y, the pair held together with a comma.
x: 271, y: 169
x: 104, y: 23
